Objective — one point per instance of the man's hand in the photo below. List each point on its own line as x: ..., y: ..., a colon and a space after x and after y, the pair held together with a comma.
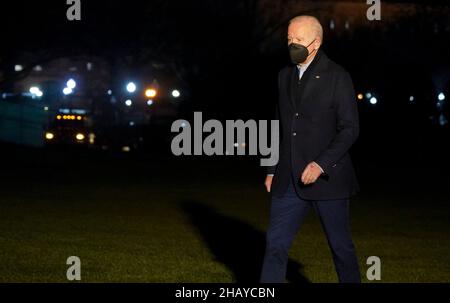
x: 268, y: 183
x: 311, y: 173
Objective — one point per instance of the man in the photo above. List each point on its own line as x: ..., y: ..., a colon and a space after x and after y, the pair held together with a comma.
x: 319, y: 122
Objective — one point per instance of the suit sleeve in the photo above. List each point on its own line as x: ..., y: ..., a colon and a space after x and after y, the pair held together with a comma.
x: 271, y: 169
x: 347, y: 123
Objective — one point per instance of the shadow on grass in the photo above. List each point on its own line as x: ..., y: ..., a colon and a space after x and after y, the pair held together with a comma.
x: 235, y: 243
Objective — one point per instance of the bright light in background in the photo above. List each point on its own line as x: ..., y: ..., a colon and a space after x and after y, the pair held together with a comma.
x: 49, y: 136
x: 368, y: 95
x: 360, y: 96
x: 149, y: 102
x: 36, y: 91
x: 373, y: 100
x: 411, y: 98
x: 91, y: 138
x: 71, y: 84
x: 441, y: 97
x: 68, y: 117
x: 131, y: 87
x: 176, y: 93
x: 128, y: 102
x: 18, y: 67
x: 67, y: 91
x: 151, y: 92
x: 79, y: 137
x: 109, y: 92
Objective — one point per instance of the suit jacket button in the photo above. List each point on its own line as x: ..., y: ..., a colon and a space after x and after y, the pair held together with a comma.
x: 334, y: 165
x: 294, y: 134
x: 296, y: 114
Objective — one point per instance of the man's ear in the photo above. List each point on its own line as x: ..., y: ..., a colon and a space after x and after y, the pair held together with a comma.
x: 317, y: 44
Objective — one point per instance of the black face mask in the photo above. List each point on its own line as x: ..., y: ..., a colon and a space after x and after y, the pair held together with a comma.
x: 298, y: 52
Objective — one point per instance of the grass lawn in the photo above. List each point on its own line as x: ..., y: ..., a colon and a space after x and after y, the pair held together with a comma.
x: 173, y: 220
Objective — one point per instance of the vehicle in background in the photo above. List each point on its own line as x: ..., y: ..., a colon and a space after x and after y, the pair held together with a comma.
x: 70, y: 129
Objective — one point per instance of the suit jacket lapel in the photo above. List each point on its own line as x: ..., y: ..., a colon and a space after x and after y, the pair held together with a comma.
x: 308, y: 78
x: 293, y: 82
x: 307, y: 81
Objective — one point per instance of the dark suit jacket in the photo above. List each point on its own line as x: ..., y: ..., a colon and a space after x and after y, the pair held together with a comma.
x: 318, y: 122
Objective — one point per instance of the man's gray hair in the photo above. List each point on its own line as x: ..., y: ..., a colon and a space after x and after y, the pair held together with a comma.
x: 316, y: 27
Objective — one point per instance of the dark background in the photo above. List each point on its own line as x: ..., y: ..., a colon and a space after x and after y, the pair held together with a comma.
x: 228, y: 55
